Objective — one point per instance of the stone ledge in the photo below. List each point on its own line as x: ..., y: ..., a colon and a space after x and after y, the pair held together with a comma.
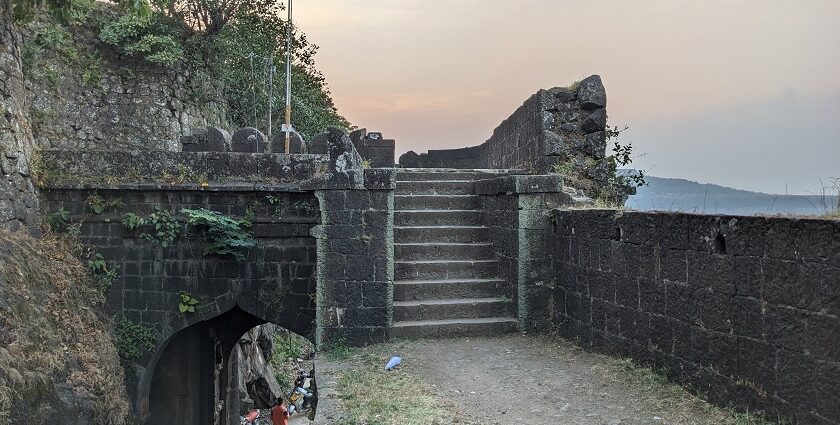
x: 548, y: 183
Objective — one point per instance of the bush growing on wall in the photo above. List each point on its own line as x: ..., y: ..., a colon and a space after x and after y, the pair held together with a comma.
x: 223, y: 45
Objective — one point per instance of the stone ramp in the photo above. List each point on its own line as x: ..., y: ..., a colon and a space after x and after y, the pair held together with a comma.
x: 445, y: 267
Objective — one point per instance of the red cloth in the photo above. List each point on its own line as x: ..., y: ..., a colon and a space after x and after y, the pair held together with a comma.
x: 280, y: 415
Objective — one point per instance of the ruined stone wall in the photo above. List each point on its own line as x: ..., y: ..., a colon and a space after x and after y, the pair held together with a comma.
x: 562, y: 125
x: 744, y: 309
x: 18, y: 200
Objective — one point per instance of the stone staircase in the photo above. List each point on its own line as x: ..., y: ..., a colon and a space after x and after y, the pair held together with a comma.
x: 445, y: 269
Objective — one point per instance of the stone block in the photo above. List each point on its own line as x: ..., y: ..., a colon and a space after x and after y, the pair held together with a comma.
x: 822, y: 337
x: 249, y: 140
x: 210, y: 139
x: 591, y: 93
x: 785, y: 327
x: 594, y: 122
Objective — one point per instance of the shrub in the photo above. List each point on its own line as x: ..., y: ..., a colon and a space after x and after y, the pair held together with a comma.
x: 225, y: 236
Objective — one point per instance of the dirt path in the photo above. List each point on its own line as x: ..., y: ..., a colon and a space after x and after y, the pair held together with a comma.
x: 538, y: 380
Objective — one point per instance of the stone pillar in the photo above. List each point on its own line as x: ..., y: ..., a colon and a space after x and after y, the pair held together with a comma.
x: 518, y: 209
x: 355, y: 261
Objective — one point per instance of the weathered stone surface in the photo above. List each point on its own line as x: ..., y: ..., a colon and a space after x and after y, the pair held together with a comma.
x: 592, y: 94
x: 552, y: 128
x: 410, y: 159
x: 596, y: 121
x: 257, y: 377
x: 18, y: 203
x: 296, y: 144
x: 249, y: 139
x: 749, y: 315
x: 210, y: 139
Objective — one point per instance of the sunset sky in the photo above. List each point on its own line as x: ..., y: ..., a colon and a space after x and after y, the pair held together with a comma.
x: 735, y: 92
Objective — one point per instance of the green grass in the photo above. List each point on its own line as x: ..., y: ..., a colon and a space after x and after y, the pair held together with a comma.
x: 373, y: 396
x: 337, y: 351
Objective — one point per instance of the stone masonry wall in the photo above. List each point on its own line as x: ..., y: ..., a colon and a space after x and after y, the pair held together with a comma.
x: 98, y: 99
x: 743, y: 309
x: 356, y: 261
x: 18, y: 200
x: 562, y: 125
x: 276, y: 283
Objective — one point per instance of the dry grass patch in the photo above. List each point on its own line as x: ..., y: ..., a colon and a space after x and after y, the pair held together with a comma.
x: 51, y: 338
x: 373, y: 396
x: 659, y: 392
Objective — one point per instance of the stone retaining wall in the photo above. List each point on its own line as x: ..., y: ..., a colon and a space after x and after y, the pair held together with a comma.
x: 743, y: 309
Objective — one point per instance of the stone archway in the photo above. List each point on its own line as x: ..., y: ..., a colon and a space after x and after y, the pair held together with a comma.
x: 191, y: 380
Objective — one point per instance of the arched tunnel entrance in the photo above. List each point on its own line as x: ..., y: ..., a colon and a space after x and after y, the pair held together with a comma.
x: 195, y: 378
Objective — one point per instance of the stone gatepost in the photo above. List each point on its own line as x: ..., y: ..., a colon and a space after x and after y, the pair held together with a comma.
x: 355, y: 268
x: 518, y: 208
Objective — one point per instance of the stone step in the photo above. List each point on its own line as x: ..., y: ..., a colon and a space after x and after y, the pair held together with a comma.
x: 435, y: 202
x: 453, y: 327
x: 433, y: 289
x: 435, y: 187
x: 452, y: 308
x: 416, y: 174
x: 420, y: 234
x: 437, y: 218
x: 445, y: 269
x: 443, y: 251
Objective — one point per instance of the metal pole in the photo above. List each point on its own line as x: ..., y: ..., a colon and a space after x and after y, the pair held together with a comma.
x: 289, y: 77
x: 270, y: 92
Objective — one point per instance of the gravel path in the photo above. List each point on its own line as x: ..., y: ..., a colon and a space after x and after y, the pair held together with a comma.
x: 518, y: 379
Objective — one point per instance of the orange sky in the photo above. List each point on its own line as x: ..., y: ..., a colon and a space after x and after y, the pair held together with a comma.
x: 741, y: 93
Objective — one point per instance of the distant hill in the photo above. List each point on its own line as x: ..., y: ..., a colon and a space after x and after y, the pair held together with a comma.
x: 671, y: 194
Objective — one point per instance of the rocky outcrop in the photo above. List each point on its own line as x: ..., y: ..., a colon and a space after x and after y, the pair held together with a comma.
x: 257, y: 378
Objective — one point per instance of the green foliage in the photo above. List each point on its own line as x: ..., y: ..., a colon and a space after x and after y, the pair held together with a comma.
x: 132, y: 339
x: 367, y: 163
x: 160, y: 226
x: 67, y: 11
x: 92, y: 70
x: 225, y: 236
x: 58, y: 220
x: 164, y: 227
x: 286, y: 348
x: 337, y: 350
x: 247, y: 48
x: 188, y: 303
x: 49, y: 36
x: 98, y: 205
x: 104, y: 274
x: 133, y: 221
x: 151, y: 36
x: 618, y: 185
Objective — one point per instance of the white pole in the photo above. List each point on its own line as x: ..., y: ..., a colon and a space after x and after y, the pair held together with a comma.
x: 289, y: 77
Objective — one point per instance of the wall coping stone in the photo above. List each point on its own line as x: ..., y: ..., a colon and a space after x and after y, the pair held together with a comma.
x: 548, y: 183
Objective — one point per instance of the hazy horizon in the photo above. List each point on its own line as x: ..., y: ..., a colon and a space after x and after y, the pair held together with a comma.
x: 744, y: 94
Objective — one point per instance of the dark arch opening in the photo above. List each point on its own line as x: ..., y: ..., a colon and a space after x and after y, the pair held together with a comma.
x: 192, y: 371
